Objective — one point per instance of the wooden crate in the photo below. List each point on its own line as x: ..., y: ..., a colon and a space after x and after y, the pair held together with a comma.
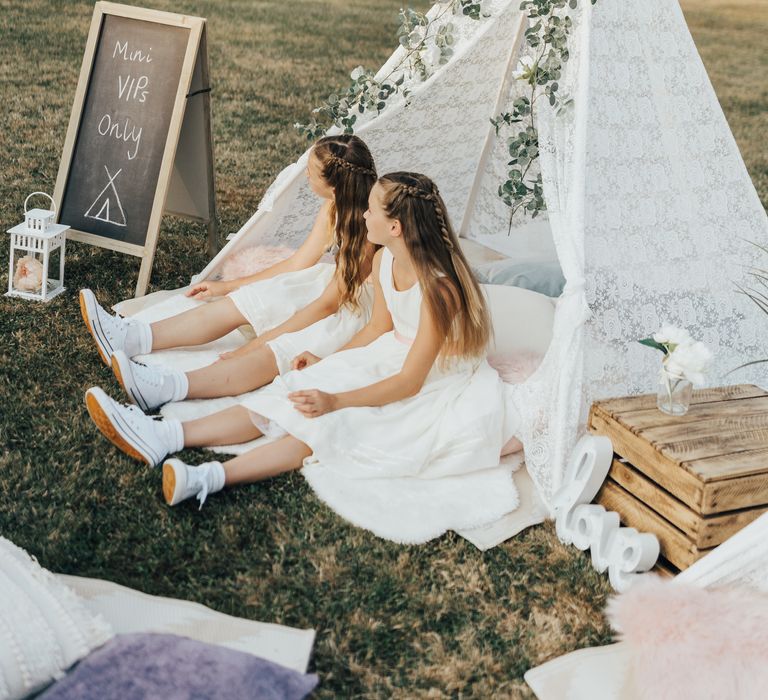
x: 692, y: 480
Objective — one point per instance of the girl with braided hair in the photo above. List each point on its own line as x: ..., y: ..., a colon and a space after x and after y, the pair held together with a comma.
x: 411, y: 395
x: 283, y: 304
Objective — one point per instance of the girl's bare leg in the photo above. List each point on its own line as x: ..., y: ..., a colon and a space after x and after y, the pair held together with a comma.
x: 233, y: 426
x: 228, y: 427
x: 233, y: 377
x: 283, y: 455
x: 197, y: 326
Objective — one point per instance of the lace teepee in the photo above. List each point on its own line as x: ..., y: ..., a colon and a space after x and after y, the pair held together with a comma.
x: 649, y: 204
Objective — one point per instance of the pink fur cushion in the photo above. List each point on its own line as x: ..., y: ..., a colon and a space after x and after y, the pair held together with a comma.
x: 514, y: 368
x: 690, y: 642
x: 249, y: 261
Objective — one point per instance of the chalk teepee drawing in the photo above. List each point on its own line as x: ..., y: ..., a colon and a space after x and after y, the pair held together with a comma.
x: 107, y: 203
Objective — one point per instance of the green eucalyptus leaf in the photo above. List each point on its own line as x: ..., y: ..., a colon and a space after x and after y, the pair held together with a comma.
x: 651, y: 343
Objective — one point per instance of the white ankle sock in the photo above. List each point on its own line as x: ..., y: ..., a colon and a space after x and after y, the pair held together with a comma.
x: 176, y: 385
x: 138, y: 339
x: 216, y: 476
x: 173, y: 434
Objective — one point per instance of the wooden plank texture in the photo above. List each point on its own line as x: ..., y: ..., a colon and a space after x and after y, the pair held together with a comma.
x: 729, y: 466
x: 713, y: 459
x: 705, y: 427
x: 721, y: 393
x: 703, y: 531
x: 675, y: 546
x: 646, y: 459
x: 651, y: 417
x: 728, y: 494
x: 686, y: 450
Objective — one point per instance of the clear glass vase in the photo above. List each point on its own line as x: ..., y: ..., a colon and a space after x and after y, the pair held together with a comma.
x: 674, y: 395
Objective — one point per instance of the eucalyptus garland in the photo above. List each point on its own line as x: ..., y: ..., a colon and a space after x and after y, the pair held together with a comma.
x: 541, y: 67
x: 428, y: 43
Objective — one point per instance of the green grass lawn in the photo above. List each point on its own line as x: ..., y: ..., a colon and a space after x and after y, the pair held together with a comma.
x: 438, y: 620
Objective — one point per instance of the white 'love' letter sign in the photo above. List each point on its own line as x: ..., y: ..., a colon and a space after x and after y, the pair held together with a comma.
x: 622, y: 551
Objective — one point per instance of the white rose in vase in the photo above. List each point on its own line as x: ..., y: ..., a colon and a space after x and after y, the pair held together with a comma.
x: 689, y: 360
x: 672, y: 335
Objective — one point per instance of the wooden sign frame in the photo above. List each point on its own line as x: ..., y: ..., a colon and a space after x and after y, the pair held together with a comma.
x: 190, y: 125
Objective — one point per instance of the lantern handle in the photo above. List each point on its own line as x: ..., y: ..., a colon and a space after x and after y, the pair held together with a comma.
x: 44, y: 195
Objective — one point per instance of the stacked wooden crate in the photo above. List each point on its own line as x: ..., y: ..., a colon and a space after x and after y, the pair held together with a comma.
x: 692, y: 480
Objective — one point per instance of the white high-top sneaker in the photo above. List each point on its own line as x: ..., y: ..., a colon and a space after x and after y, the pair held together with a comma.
x: 182, y: 481
x: 148, y: 387
x: 136, y: 434
x: 112, y: 332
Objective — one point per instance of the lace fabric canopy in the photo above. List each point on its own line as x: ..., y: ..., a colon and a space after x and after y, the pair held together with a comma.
x: 649, y: 204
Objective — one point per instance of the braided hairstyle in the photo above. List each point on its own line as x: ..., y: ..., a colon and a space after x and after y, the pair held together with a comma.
x: 348, y: 167
x: 448, y: 286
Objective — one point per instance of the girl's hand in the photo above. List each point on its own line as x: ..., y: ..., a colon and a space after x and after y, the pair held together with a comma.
x: 312, y: 403
x: 206, y: 290
x: 243, y: 350
x: 304, y: 360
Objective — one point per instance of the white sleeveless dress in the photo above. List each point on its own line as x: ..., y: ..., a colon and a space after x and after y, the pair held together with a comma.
x: 268, y: 303
x: 455, y: 425
x: 325, y: 336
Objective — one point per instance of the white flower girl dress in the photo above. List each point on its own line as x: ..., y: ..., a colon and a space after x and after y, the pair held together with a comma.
x: 268, y: 303
x: 455, y: 426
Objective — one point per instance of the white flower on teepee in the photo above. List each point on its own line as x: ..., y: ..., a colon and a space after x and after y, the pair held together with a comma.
x: 431, y: 55
x: 525, y: 68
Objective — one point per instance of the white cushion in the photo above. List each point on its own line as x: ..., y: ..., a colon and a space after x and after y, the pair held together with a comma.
x: 44, y: 626
x: 129, y: 611
x: 522, y: 319
x: 594, y: 673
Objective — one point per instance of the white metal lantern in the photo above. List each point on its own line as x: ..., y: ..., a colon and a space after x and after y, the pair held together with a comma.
x: 35, y: 240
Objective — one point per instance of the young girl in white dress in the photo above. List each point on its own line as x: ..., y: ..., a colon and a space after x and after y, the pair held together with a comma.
x: 280, y: 303
x: 411, y: 395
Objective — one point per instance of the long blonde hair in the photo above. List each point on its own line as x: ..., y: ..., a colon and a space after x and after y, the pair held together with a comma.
x: 448, y: 286
x: 348, y: 167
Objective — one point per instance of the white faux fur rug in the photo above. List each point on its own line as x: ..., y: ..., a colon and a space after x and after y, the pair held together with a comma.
x: 403, y: 510
x: 413, y: 511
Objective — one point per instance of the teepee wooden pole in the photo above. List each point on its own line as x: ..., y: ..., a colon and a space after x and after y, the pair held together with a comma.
x: 490, y: 135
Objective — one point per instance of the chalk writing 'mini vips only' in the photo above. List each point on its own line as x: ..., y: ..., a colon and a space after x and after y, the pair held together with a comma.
x: 132, y: 88
x: 108, y: 126
x: 121, y: 49
x: 129, y: 88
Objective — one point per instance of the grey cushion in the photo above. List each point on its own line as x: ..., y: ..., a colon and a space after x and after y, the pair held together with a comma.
x: 152, y: 666
x: 544, y: 277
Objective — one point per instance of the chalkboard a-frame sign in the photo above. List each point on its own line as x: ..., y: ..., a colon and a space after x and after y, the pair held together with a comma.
x: 139, y: 138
